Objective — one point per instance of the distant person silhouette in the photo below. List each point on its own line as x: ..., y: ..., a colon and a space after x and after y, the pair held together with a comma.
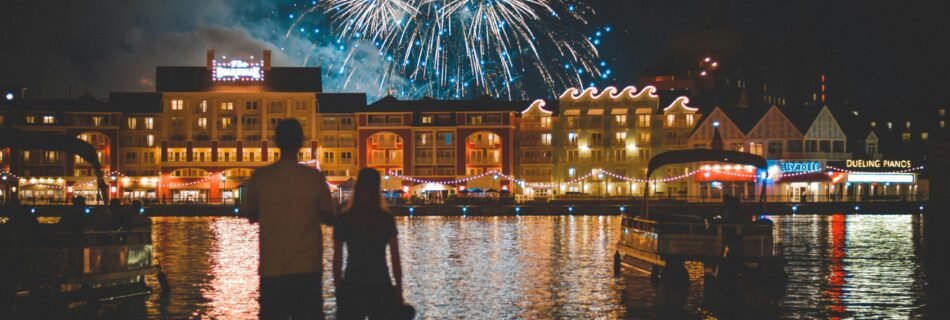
x: 365, y: 227
x: 289, y: 201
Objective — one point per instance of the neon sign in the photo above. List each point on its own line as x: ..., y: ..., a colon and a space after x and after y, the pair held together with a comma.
x: 237, y: 70
x: 888, y: 164
x: 799, y: 166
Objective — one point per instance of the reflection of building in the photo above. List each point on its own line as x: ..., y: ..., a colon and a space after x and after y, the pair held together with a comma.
x: 618, y: 131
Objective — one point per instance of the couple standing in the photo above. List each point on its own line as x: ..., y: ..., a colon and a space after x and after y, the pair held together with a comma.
x: 290, y: 201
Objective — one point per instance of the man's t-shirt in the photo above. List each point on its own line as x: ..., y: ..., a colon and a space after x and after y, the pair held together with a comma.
x: 365, y: 235
x: 291, y: 200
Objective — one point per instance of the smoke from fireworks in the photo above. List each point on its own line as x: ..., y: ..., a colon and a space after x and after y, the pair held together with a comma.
x: 455, y: 48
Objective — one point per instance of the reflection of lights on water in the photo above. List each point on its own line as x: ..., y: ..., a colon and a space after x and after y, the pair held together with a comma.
x: 233, y: 290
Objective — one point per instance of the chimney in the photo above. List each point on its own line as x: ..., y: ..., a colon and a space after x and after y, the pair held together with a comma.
x: 266, y: 59
x: 210, y: 59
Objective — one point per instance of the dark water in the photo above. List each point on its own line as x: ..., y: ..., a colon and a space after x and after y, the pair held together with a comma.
x: 858, y: 266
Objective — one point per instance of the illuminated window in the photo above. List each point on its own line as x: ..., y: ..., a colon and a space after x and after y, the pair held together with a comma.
x: 756, y: 148
x: 178, y: 104
x: 49, y: 120
x: 227, y: 106
x: 546, y: 139
x: 943, y: 124
x: 905, y: 136
x: 545, y: 122
x: 96, y: 121
x: 29, y: 119
x: 26, y: 156
x: 426, y: 119
x: 690, y: 119
x: 132, y: 123
x: 670, y: 119
x: 644, y: 138
x: 620, y: 138
x: 226, y: 123
x: 572, y: 139
x: 203, y: 123
x: 643, y: 120
x: 149, y: 123
x: 620, y: 120
x: 924, y: 136
x: 150, y: 140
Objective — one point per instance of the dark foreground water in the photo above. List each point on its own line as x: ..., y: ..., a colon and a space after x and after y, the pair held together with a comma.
x: 859, y: 266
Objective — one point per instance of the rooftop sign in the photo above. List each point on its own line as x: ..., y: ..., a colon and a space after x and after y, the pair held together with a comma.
x: 238, y: 71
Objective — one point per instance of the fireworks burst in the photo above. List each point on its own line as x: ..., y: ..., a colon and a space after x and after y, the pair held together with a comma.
x: 461, y: 48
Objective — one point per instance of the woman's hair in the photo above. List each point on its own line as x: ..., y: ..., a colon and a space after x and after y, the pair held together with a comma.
x: 367, y: 194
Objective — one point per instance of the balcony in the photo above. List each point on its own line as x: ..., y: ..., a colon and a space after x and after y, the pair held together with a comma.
x: 483, y: 161
x: 445, y: 160
x: 425, y: 160
x: 537, y: 160
x: 385, y: 162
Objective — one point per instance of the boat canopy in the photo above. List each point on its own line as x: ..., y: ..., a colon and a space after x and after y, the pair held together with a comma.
x: 700, y: 155
x: 17, y: 139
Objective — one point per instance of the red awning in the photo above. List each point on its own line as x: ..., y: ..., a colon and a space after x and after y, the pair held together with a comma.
x: 813, y: 177
x: 725, y: 176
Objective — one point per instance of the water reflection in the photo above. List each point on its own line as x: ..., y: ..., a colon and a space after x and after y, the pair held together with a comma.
x: 560, y: 267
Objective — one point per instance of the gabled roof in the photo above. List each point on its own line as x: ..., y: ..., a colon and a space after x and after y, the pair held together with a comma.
x: 802, y: 116
x: 427, y: 104
x: 745, y: 117
x: 341, y: 102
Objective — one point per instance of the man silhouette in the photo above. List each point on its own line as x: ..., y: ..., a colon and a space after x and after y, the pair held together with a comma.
x: 289, y: 201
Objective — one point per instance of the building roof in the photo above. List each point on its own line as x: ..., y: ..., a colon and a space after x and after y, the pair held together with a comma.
x: 802, y: 116
x: 341, y: 102
x: 427, y: 104
x: 83, y: 103
x: 745, y: 118
x: 277, y: 79
x: 136, y: 102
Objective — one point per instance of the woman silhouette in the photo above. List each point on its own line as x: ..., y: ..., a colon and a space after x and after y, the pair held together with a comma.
x: 365, y: 227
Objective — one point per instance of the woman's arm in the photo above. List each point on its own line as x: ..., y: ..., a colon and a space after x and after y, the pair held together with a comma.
x: 397, y: 265
x: 337, y: 264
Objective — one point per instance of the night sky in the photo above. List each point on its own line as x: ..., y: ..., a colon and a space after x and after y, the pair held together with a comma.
x: 879, y: 56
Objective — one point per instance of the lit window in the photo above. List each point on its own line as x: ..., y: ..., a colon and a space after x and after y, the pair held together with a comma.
x: 924, y: 136
x: 132, y: 123
x: 150, y: 140
x: 227, y: 106
x: 689, y: 119
x: 620, y: 120
x: 643, y: 120
x: 621, y: 138
x: 97, y: 121
x: 49, y: 119
x: 29, y: 119
x: 178, y: 104
x: 149, y: 123
x: 426, y: 119
x: 226, y: 123
x: 546, y: 139
x: 203, y: 123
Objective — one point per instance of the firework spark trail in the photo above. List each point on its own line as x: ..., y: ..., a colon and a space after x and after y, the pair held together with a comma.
x: 452, y: 44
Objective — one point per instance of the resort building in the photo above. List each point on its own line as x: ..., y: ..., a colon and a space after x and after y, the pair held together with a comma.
x: 605, y: 139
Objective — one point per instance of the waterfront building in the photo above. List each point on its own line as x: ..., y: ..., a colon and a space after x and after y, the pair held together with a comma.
x: 535, y: 145
x: 415, y: 143
x: 51, y: 176
x: 603, y: 137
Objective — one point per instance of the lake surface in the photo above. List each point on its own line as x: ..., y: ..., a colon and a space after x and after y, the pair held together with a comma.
x: 861, y: 266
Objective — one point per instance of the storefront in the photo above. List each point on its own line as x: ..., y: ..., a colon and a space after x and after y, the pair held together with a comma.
x: 804, y: 181
x: 869, y: 180
x: 713, y: 182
